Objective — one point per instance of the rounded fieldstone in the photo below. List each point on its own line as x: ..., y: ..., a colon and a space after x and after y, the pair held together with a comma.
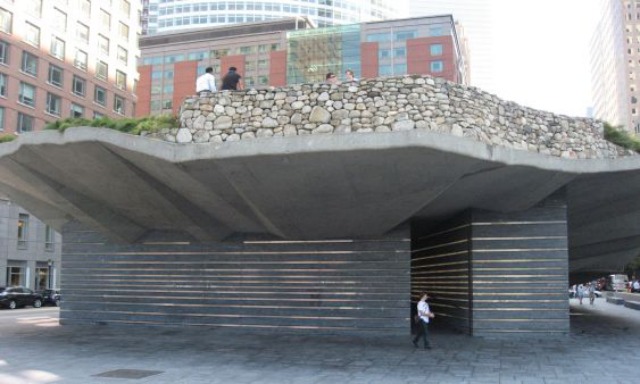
x: 268, y: 122
x: 323, y: 128
x: 222, y: 122
x: 184, y: 135
x: 319, y: 115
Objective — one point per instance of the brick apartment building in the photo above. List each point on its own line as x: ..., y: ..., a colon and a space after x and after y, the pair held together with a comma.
x: 66, y: 58
x: 291, y: 51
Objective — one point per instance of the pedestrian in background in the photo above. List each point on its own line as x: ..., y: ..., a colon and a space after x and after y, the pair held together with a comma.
x: 424, y: 314
x: 231, y: 81
x: 592, y: 292
x: 206, y: 83
x: 580, y: 293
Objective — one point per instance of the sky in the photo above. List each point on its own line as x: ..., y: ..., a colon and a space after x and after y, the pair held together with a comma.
x: 541, y: 53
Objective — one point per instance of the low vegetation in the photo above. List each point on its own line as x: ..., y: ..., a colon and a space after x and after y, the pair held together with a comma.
x: 7, y: 138
x: 617, y: 135
x: 127, y: 125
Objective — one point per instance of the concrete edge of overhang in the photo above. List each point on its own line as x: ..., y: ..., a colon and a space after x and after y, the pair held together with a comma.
x: 292, y: 145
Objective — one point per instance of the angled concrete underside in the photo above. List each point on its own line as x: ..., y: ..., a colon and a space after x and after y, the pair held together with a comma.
x: 312, y: 187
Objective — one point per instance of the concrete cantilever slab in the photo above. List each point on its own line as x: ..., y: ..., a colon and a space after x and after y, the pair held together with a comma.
x: 309, y: 187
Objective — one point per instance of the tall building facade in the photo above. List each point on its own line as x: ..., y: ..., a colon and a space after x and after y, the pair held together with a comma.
x: 160, y: 16
x: 475, y: 16
x: 66, y: 58
x: 292, y: 51
x: 615, y: 64
x: 29, y: 249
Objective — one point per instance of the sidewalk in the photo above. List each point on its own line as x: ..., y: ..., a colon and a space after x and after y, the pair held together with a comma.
x: 602, y: 348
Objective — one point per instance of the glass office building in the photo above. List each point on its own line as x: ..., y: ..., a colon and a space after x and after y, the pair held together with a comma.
x: 312, y: 53
x: 161, y: 16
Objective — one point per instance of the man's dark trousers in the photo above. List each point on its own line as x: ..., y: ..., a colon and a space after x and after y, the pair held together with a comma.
x: 423, y: 330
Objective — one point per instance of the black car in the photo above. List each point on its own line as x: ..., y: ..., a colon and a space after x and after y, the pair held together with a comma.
x: 14, y: 297
x: 50, y: 297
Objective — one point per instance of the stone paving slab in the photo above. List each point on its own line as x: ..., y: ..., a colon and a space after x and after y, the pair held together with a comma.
x: 602, y: 348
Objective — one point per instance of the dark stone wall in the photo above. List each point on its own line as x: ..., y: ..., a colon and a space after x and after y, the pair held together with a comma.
x: 520, y: 265
x: 333, y: 287
x: 496, y: 274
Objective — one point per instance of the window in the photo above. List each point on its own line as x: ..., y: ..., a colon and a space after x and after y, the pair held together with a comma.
x: 59, y: 20
x: 400, y: 52
x: 80, y: 60
x: 123, y: 30
x: 97, y: 115
x: 167, y: 104
x: 437, y: 66
x: 379, y: 37
x: 3, y: 85
x: 57, y: 48
x: 27, y: 94
x: 399, y: 69
x: 55, y: 75
x: 35, y: 7
x: 436, y: 31
x: 102, y: 70
x: 405, y: 35
x: 105, y: 19
x: 32, y: 34
x: 48, y: 238
x: 29, y: 63
x: 1, y: 119
x: 25, y: 124
x: 121, y: 80
x: 79, y: 85
x: 4, y: 52
x: 103, y: 45
x: 125, y: 7
x: 156, y: 105
x: 118, y: 104
x: 54, y: 104
x: 15, y: 277
x: 77, y: 110
x: 82, y: 33
x: 436, y: 49
x: 100, y: 96
x: 6, y: 19
x: 85, y: 8
x: 123, y: 55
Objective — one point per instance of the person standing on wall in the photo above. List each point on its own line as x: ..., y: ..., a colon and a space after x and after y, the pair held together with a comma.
x: 206, y: 83
x: 424, y: 313
x: 331, y: 78
x: 231, y: 81
x: 350, y: 76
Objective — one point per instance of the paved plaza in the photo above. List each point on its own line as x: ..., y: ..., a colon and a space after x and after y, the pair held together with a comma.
x: 604, y: 347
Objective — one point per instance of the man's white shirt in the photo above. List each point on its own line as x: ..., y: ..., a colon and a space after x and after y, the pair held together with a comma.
x: 423, y: 310
x: 206, y: 82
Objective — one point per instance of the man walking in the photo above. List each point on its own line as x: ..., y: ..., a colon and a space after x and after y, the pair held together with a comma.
x: 231, y: 81
x: 424, y: 313
x: 206, y: 83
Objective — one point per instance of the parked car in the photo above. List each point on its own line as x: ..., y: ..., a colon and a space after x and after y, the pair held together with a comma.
x: 50, y: 297
x: 14, y: 297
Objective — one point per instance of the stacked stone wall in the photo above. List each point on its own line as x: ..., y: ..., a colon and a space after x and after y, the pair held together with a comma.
x: 383, y: 105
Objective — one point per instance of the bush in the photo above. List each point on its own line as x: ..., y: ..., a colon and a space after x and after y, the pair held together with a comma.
x: 7, y: 138
x: 128, y: 125
x: 620, y: 137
